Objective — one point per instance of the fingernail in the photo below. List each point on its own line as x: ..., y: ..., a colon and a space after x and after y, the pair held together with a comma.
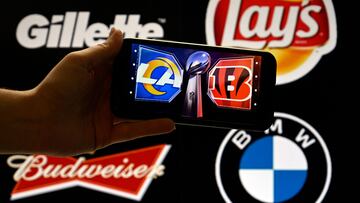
x: 111, y: 31
x: 170, y: 125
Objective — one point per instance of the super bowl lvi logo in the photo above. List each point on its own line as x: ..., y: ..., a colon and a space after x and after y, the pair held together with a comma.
x: 297, y: 32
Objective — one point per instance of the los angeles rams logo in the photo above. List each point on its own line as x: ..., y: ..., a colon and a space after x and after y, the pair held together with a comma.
x: 158, y: 77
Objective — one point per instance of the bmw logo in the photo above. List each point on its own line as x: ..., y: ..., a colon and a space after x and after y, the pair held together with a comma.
x: 289, y: 162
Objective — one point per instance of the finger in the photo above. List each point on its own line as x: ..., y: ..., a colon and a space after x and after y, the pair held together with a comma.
x: 102, y: 53
x: 137, y: 129
x: 117, y: 120
x: 91, y: 152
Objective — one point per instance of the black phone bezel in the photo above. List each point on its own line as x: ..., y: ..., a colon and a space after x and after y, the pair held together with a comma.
x: 123, y: 104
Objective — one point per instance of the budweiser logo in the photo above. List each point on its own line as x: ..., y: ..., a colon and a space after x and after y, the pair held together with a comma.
x: 297, y: 32
x: 127, y: 174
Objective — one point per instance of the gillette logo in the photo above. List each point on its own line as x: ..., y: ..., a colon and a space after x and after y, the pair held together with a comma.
x: 73, y: 30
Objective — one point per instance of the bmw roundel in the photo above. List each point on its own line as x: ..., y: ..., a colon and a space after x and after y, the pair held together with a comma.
x: 159, y: 76
x: 289, y: 162
x: 273, y: 169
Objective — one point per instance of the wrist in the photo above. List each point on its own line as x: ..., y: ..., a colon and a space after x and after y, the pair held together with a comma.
x: 21, y: 121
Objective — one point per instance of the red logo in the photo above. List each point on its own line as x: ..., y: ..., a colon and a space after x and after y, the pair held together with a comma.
x: 297, y: 32
x: 230, y: 83
x: 127, y: 174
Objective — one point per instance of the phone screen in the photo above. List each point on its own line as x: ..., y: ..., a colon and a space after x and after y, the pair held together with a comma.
x: 195, y: 84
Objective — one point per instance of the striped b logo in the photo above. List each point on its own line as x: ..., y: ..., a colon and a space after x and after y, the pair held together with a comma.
x: 230, y: 83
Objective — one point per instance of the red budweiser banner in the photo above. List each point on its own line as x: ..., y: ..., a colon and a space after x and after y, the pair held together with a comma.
x: 126, y: 174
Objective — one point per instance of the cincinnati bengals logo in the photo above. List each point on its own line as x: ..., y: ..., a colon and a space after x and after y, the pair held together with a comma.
x: 230, y: 83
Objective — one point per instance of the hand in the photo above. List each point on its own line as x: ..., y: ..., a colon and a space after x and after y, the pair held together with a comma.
x: 73, y: 105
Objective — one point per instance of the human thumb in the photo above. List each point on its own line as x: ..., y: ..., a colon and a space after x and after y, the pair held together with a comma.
x: 94, y: 57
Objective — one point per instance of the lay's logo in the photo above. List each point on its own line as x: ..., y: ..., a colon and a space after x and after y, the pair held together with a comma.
x: 159, y: 76
x: 297, y: 32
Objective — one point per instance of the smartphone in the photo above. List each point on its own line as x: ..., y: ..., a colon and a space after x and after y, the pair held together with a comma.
x: 193, y: 84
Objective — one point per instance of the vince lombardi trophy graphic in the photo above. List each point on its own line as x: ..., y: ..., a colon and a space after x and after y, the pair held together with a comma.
x: 197, y: 64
